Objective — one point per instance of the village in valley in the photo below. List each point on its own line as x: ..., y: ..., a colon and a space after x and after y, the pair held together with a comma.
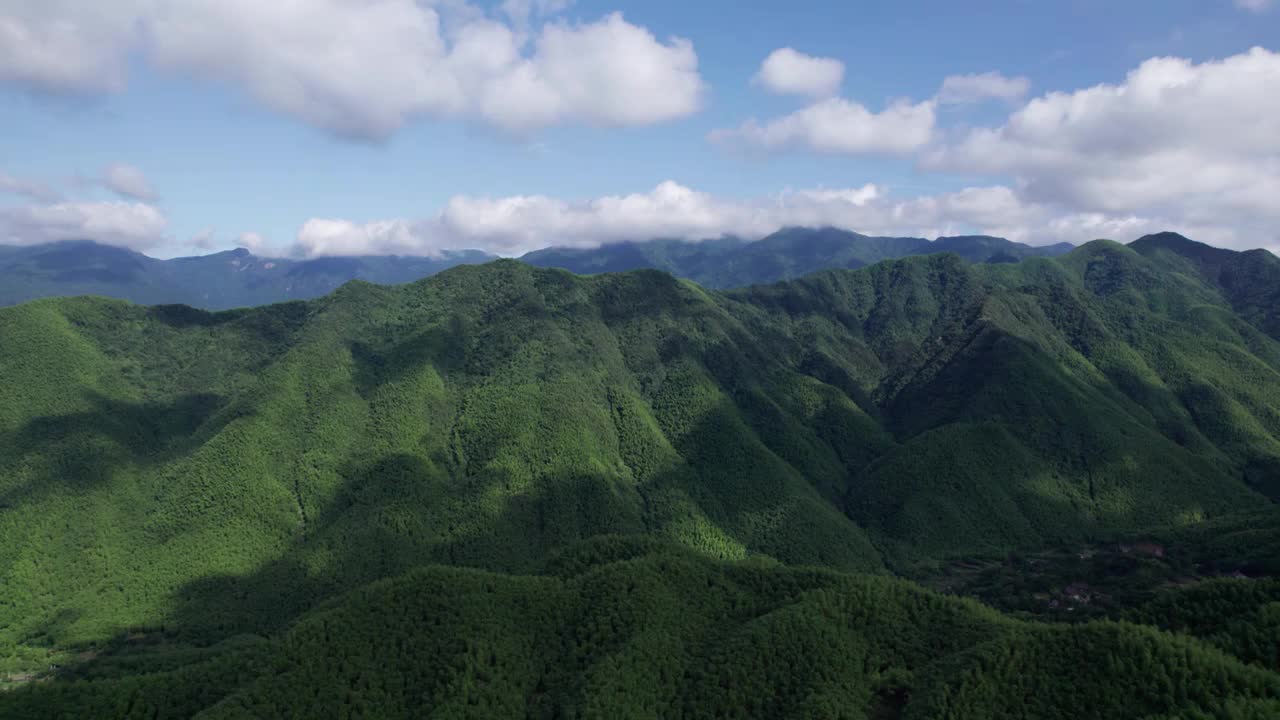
x: 1085, y: 582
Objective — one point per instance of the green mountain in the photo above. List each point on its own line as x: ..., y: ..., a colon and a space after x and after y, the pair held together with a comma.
x: 790, y: 253
x: 393, y: 498
x: 220, y: 281
x: 1249, y: 281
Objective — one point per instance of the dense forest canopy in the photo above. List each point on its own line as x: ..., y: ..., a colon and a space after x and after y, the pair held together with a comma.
x: 513, y: 491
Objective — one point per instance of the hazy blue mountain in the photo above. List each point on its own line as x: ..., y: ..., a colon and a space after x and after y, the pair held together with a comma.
x: 238, y: 278
x: 786, y: 254
x: 235, y: 278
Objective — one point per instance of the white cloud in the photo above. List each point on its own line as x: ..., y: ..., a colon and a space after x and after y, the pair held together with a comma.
x: 609, y: 73
x: 1198, y: 144
x: 1254, y: 5
x: 320, y: 237
x: 965, y: 89
x: 513, y: 225
x: 364, y: 69
x: 28, y: 188
x: 787, y: 71
x: 837, y: 125
x: 66, y: 46
x: 253, y: 242
x: 128, y: 182
x: 206, y: 239
x: 133, y: 225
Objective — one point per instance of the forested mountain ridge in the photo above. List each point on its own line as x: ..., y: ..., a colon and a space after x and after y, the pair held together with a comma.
x: 1249, y: 281
x: 238, y: 278
x: 786, y: 254
x: 193, y: 475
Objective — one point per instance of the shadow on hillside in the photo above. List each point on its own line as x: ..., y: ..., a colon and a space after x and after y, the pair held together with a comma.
x: 185, y: 316
x: 85, y: 449
x: 1111, y: 452
x: 404, y: 510
x: 274, y: 326
x: 376, y: 528
x: 442, y: 347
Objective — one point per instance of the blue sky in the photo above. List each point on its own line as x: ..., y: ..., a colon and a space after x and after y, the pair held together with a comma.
x: 178, y: 143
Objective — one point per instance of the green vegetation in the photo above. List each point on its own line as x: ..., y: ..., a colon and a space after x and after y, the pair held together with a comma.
x: 385, y: 499
x: 1142, y: 578
x: 1238, y: 615
x: 617, y: 628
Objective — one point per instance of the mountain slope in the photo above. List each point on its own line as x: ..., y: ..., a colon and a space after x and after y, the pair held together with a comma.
x: 225, y: 472
x: 1249, y: 281
x: 789, y: 253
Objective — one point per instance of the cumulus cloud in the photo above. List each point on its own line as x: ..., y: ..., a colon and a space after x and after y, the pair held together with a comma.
x: 66, y: 46
x: 787, y: 71
x: 513, y: 225
x: 608, y: 73
x: 323, y: 236
x: 128, y: 182
x: 133, y: 225
x: 365, y: 69
x: 206, y: 239
x: 254, y: 242
x: 965, y: 89
x: 1197, y: 143
x: 837, y: 125
x: 28, y: 188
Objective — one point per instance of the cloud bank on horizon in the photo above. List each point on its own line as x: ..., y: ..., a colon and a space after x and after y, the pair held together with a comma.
x: 1173, y: 144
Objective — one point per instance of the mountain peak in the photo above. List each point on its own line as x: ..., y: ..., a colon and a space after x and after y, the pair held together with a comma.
x: 1166, y: 239
x: 1182, y: 245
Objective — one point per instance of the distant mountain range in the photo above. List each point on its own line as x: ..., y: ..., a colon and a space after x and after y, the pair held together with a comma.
x: 787, y: 254
x: 237, y: 278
